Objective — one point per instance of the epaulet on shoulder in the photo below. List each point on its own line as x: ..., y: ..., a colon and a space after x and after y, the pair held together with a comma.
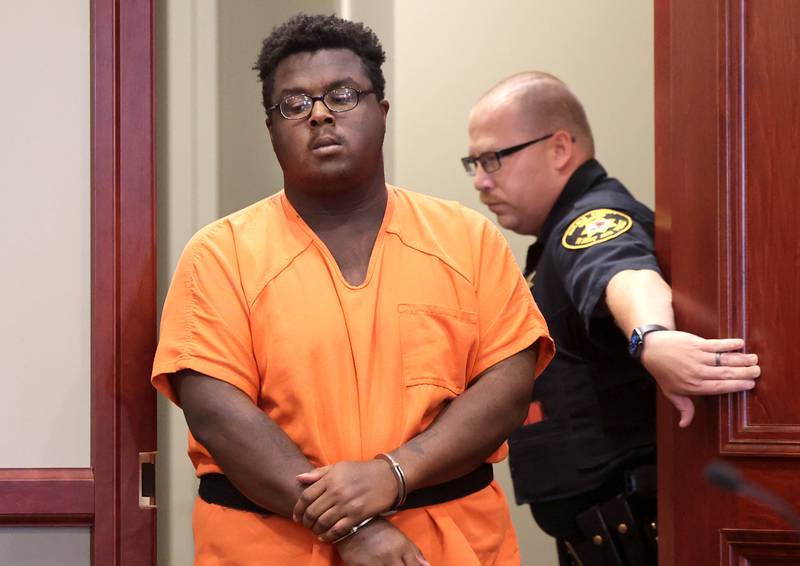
x: 611, y: 193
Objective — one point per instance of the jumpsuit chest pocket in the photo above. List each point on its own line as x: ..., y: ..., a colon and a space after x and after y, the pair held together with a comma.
x: 438, y: 345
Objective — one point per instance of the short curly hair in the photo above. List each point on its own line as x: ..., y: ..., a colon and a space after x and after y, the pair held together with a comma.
x: 305, y: 33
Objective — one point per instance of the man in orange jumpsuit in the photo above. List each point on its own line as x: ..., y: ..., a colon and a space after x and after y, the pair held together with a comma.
x: 349, y: 355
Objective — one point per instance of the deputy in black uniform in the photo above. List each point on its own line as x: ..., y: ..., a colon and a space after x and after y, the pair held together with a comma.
x: 587, y: 468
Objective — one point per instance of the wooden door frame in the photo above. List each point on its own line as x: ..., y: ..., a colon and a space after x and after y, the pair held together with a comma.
x: 105, y: 496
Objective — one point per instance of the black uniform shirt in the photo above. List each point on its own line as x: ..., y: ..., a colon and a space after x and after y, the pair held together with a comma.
x: 599, y: 403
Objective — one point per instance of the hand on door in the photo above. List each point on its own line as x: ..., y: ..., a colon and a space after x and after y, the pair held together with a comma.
x: 684, y: 364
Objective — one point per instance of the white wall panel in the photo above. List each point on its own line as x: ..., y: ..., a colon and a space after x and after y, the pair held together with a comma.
x: 45, y: 234
x: 41, y: 546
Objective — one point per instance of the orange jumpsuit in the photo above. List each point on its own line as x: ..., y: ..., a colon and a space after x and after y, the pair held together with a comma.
x: 349, y: 371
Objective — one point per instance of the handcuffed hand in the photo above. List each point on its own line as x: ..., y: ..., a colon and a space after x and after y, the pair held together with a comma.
x: 380, y: 543
x: 343, y: 495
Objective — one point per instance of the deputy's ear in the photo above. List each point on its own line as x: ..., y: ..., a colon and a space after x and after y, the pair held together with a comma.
x: 563, y: 147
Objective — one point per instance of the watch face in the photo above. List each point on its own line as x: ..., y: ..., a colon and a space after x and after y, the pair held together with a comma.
x: 635, y: 345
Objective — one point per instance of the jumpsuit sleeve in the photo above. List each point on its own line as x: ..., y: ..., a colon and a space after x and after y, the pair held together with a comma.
x: 205, y: 324
x: 508, y: 319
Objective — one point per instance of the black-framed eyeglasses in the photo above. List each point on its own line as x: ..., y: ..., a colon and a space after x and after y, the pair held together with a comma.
x: 490, y: 161
x: 339, y: 99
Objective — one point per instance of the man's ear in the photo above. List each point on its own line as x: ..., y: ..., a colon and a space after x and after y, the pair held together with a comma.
x: 384, y: 104
x: 268, y: 123
x: 563, y: 148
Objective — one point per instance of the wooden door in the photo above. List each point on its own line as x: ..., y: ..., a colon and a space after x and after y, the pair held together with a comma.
x: 728, y: 234
x: 105, y: 497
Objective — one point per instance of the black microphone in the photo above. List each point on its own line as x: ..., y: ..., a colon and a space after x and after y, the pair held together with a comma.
x: 726, y: 476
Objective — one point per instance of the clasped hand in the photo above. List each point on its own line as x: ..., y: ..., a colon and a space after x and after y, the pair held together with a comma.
x: 342, y: 495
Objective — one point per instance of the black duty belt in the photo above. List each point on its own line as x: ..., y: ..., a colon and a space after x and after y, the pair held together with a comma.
x: 622, y: 530
x: 217, y: 489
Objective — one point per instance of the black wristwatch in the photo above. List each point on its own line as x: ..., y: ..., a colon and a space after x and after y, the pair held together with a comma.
x: 636, y: 344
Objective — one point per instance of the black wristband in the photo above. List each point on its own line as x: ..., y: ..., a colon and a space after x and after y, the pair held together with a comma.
x: 636, y: 343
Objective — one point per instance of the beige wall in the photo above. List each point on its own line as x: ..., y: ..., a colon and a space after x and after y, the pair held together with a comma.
x: 215, y: 157
x: 45, y: 308
x: 449, y: 53
x: 248, y: 168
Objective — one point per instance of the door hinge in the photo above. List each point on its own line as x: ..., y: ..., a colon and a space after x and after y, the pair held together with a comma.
x: 147, y: 480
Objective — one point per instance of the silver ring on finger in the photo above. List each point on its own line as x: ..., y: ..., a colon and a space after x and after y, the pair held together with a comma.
x: 718, y: 359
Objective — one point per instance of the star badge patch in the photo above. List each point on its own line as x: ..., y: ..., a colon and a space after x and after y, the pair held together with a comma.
x: 595, y: 227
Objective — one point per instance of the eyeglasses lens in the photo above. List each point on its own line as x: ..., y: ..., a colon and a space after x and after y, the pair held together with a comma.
x: 298, y: 106
x: 341, y: 99
x: 295, y: 106
x: 489, y: 162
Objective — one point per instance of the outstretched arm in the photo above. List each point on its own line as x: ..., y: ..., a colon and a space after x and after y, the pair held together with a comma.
x: 681, y: 363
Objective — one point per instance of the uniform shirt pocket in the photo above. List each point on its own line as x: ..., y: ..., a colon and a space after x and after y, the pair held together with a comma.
x: 438, y: 345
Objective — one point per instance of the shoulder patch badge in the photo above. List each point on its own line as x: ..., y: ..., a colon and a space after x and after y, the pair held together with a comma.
x: 595, y: 227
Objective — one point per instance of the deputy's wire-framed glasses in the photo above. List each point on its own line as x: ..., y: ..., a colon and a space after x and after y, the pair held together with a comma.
x: 490, y: 160
x: 339, y: 99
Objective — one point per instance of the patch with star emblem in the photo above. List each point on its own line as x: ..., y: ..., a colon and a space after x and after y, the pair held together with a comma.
x: 595, y: 227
